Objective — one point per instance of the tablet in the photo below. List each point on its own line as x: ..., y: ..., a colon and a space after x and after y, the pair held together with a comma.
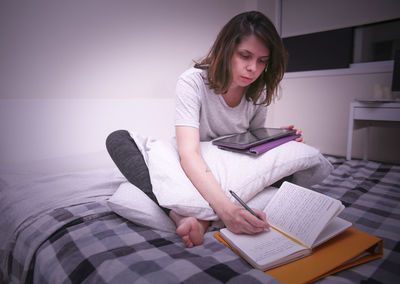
x: 253, y: 137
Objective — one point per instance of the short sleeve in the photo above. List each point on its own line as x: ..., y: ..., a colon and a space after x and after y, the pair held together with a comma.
x: 187, y: 103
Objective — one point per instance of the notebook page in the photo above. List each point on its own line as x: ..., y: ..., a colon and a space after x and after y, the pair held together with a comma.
x: 335, y: 226
x: 266, y: 248
x: 301, y: 213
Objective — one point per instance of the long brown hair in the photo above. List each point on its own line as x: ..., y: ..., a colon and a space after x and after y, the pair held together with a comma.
x: 218, y: 60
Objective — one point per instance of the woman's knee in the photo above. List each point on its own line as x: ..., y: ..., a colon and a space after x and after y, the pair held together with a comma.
x: 128, y: 158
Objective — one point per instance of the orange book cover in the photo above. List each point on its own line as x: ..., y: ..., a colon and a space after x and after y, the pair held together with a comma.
x: 350, y: 248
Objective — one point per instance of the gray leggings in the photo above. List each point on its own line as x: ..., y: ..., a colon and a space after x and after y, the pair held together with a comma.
x: 129, y: 160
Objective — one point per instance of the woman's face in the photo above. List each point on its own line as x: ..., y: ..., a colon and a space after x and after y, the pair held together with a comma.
x: 248, y: 61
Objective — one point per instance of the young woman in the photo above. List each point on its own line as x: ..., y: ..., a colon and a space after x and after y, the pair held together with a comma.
x: 227, y: 92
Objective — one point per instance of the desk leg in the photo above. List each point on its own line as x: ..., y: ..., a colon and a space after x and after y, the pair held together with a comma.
x: 350, y: 134
x: 365, y: 143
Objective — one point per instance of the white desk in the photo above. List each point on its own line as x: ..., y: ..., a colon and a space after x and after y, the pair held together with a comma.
x: 370, y: 111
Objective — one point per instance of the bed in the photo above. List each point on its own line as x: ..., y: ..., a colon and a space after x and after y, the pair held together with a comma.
x: 58, y: 228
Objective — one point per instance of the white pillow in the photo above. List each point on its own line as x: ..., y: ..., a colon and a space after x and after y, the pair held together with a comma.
x: 245, y: 175
x: 133, y: 204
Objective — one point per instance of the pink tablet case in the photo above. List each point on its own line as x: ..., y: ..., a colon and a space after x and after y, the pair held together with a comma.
x: 257, y: 150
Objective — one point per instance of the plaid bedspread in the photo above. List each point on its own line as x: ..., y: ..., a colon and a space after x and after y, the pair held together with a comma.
x: 371, y: 193
x: 88, y: 243
x: 94, y: 245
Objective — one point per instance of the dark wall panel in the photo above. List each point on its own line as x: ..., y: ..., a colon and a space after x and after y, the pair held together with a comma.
x: 323, y: 50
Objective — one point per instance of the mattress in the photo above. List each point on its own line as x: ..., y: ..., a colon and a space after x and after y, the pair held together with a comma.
x: 58, y: 228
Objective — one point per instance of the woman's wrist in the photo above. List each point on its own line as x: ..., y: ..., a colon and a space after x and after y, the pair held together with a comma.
x: 223, y: 207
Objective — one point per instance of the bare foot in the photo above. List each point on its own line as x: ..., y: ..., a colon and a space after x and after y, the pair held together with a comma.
x: 190, y: 229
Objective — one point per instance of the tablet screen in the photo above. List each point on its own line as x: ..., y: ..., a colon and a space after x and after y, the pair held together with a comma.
x: 253, y: 137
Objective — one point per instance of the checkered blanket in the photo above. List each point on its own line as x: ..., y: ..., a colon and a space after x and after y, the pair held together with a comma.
x: 94, y: 245
x: 87, y: 242
x: 371, y: 193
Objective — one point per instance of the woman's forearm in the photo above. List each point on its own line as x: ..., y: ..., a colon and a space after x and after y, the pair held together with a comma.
x: 204, y: 180
x: 235, y: 218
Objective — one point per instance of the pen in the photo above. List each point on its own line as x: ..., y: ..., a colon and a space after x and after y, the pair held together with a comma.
x: 244, y: 204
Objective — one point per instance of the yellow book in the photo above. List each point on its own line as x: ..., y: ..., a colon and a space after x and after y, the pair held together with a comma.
x: 350, y: 248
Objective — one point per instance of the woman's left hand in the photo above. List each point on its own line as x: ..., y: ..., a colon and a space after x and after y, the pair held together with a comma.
x: 298, y: 132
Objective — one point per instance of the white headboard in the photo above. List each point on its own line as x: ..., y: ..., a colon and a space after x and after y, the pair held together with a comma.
x: 37, y: 129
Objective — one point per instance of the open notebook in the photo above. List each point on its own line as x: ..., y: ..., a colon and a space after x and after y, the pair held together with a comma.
x: 301, y: 222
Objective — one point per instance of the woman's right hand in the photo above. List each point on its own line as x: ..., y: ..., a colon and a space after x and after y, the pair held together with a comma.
x: 240, y: 221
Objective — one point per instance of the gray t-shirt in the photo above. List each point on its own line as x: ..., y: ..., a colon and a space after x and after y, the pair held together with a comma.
x: 198, y: 106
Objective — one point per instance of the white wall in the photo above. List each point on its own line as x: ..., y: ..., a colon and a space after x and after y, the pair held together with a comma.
x: 319, y: 105
x: 103, y: 48
x: 310, y: 16
x: 66, y: 63
x: 73, y: 71
x: 318, y: 101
